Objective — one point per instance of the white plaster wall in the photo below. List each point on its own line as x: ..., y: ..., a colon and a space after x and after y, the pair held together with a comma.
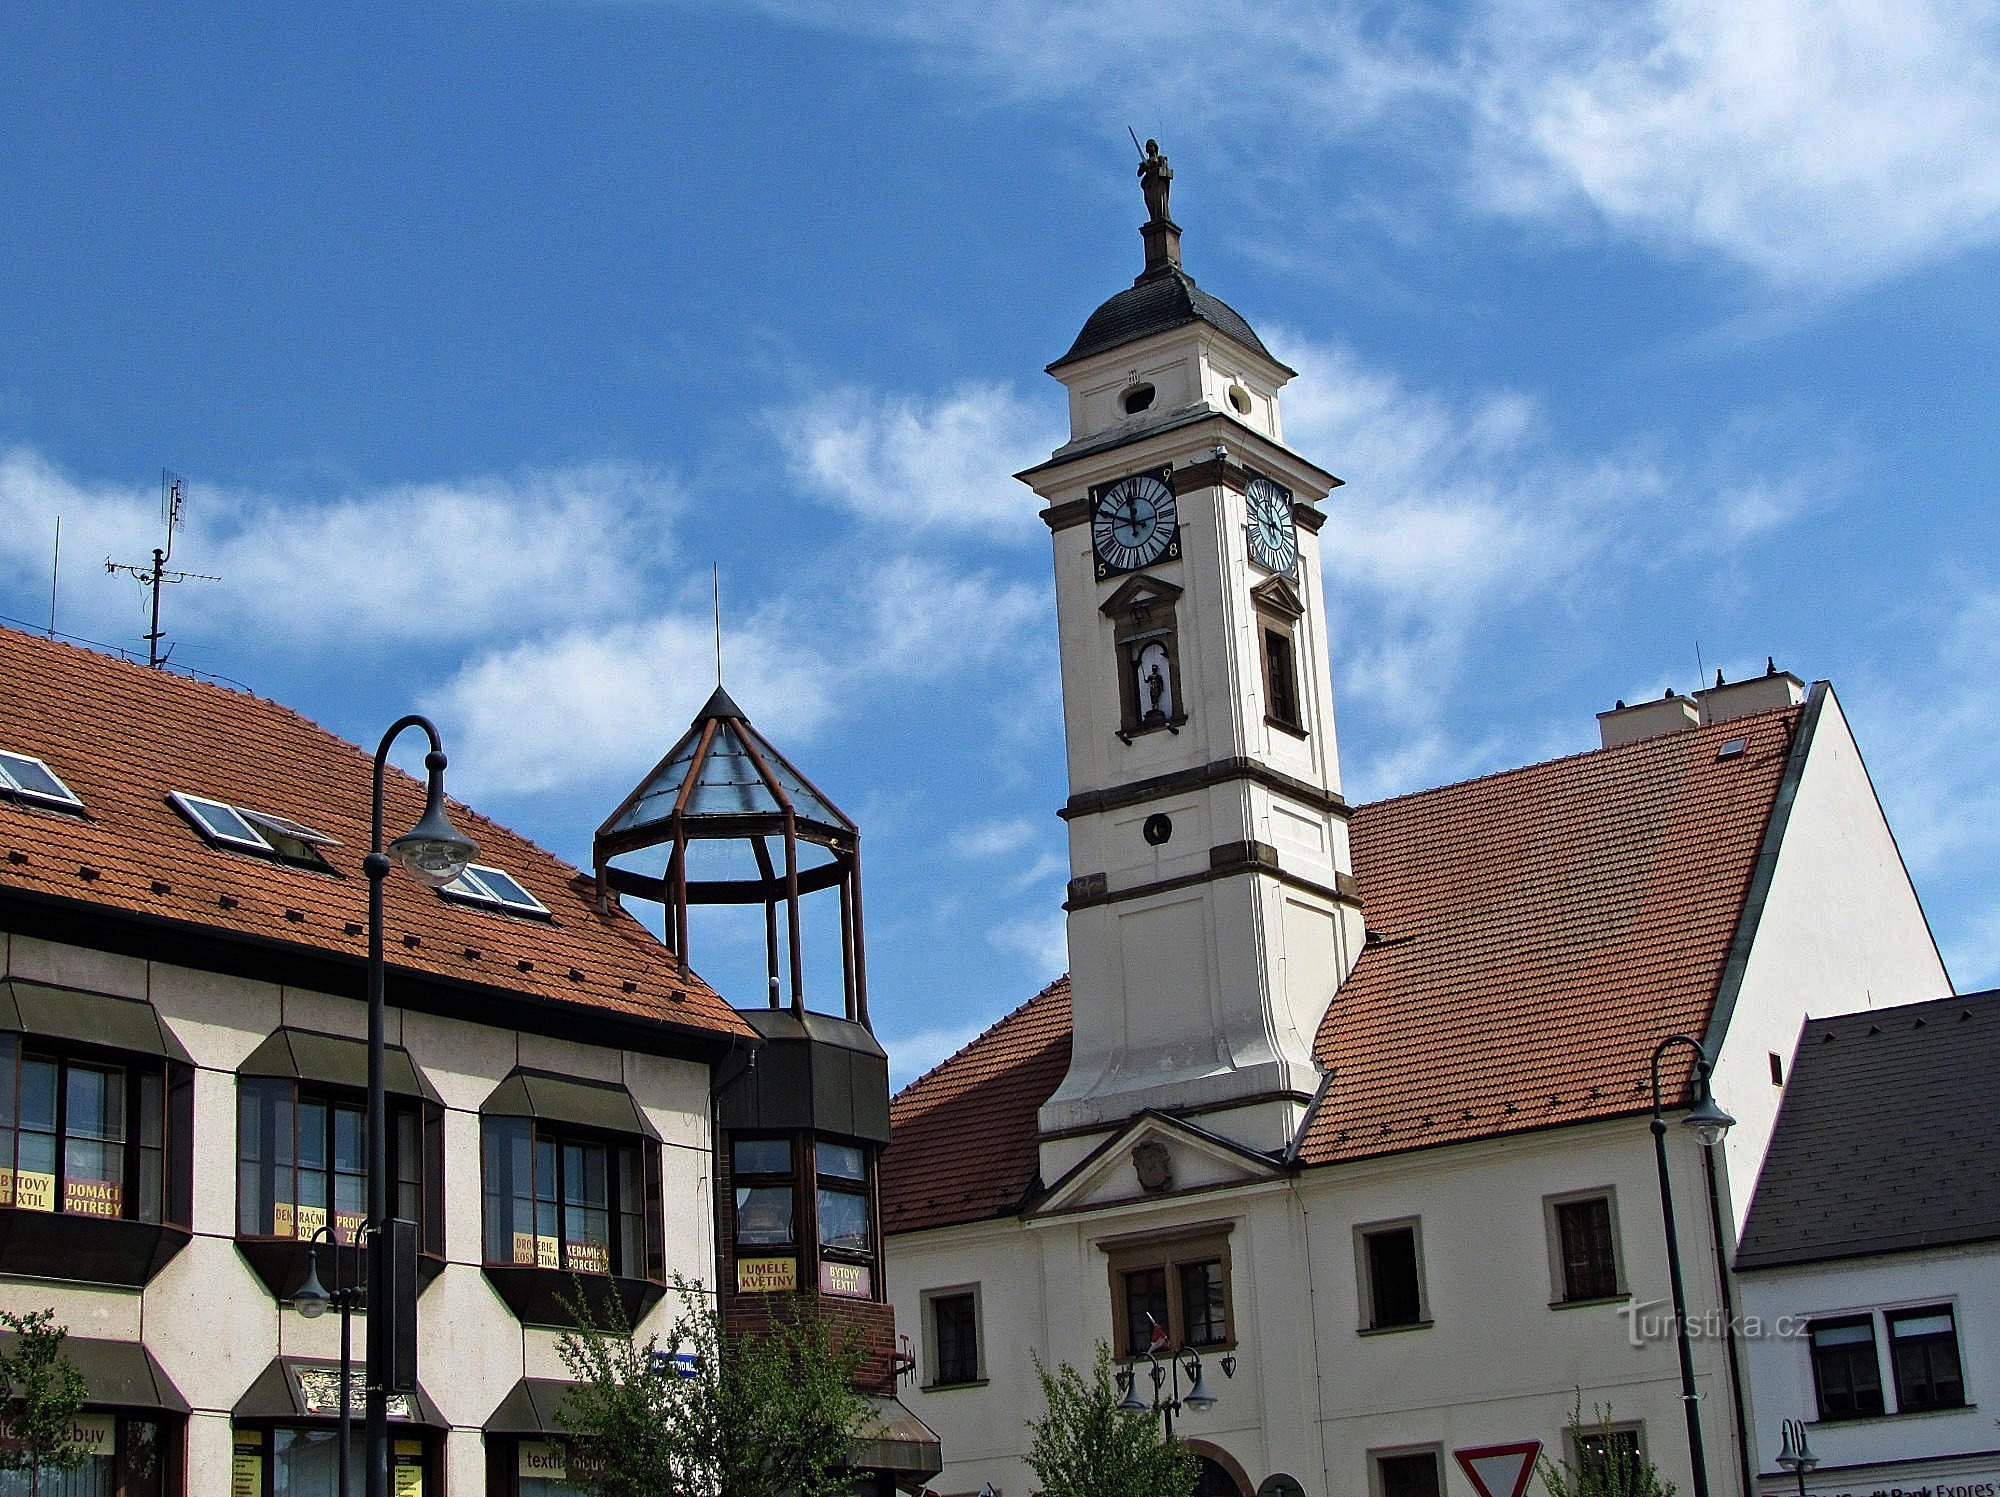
x: 1841, y: 930
x: 1780, y: 1367
x: 1311, y: 1395
x: 212, y: 1323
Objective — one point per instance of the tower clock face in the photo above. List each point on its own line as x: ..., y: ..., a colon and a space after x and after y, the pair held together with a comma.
x: 1274, y: 533
x: 1134, y: 522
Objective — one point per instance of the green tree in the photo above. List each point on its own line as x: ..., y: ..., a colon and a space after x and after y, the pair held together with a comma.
x: 45, y: 1393
x: 769, y: 1414
x: 1601, y: 1462
x: 1086, y: 1446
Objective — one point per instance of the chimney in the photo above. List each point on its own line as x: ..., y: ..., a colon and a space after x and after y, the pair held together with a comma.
x: 1672, y: 713
x: 1725, y: 700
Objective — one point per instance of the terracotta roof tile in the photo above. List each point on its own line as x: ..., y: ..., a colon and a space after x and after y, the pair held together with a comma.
x: 122, y: 735
x: 1533, y: 935
x: 957, y: 1153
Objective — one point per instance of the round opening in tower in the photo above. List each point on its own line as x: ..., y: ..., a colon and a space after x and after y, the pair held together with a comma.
x: 1239, y: 400
x: 1136, y: 398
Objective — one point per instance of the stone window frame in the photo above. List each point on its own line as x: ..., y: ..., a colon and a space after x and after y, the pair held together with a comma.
x: 1277, y: 610
x: 1169, y: 1250
x: 1143, y: 611
x: 1559, y: 1295
x: 1364, y: 1272
x: 933, y: 1366
x: 1377, y: 1487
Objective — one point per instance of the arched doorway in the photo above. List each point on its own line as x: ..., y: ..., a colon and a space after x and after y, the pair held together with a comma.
x: 1217, y: 1479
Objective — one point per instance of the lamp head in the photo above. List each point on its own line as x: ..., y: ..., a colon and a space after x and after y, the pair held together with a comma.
x: 1197, y: 1396
x: 1796, y: 1454
x: 434, y: 850
x: 1128, y: 1384
x: 1707, y: 1121
x: 310, y: 1299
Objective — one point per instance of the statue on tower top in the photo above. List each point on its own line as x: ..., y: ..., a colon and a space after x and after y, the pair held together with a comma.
x: 1156, y: 180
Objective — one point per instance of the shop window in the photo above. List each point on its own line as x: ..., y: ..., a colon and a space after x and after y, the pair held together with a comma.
x: 951, y: 1331
x: 1411, y: 1475
x: 762, y: 1174
x: 86, y: 1133
x: 130, y: 1455
x: 1392, y: 1293
x: 1923, y: 1350
x: 304, y: 1461
x: 844, y: 1216
x: 302, y: 1162
x: 1583, y: 1242
x: 1846, y: 1375
x: 1171, y: 1293
x: 546, y: 1468
x: 564, y: 1200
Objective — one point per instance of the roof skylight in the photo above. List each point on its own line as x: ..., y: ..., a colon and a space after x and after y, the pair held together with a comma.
x: 480, y: 884
x: 253, y: 831
x: 32, y: 780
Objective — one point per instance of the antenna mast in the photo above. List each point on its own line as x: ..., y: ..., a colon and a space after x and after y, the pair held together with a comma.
x: 715, y: 582
x: 173, y: 492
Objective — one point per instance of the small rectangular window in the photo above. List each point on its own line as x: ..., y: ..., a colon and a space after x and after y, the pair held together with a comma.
x: 761, y: 1170
x: 1610, y: 1458
x: 480, y: 884
x: 1923, y: 1350
x: 1204, y: 1311
x: 1846, y: 1375
x: 1777, y: 1069
x: 954, y: 1328
x: 1281, y: 682
x: 1392, y: 1289
x: 1408, y: 1475
x: 1587, y: 1249
x: 32, y: 780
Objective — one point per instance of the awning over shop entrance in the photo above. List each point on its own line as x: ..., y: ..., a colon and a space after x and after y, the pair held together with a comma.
x: 117, y: 1374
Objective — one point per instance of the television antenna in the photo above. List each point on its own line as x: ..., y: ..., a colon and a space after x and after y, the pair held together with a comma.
x: 173, y: 493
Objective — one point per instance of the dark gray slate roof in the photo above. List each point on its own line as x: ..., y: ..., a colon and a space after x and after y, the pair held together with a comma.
x: 1887, y: 1137
x: 1158, y: 302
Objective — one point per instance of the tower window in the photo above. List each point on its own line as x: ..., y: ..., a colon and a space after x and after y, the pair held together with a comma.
x: 1147, y: 641
x: 1136, y: 398
x: 1281, y: 681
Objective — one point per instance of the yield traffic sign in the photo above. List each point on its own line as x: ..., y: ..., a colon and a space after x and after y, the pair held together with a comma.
x: 1499, y: 1470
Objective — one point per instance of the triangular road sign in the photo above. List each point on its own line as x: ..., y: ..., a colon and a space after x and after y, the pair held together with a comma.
x: 1499, y: 1470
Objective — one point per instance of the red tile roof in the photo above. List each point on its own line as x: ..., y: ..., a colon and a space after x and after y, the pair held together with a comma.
x: 1533, y: 935
x: 958, y: 1131
x: 121, y: 736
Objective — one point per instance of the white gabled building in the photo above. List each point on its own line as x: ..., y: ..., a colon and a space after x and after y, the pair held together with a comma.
x: 1353, y: 1102
x: 1870, y: 1262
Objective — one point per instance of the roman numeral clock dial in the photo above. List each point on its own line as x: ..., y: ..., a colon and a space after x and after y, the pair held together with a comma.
x: 1134, y: 522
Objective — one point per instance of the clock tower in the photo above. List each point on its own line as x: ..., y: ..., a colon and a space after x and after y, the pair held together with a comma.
x: 1212, y: 908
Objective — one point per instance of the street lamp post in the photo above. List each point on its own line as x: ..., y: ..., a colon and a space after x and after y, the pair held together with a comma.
x: 436, y: 852
x: 1708, y: 1122
x: 1796, y: 1456
x: 311, y: 1301
x: 1197, y: 1396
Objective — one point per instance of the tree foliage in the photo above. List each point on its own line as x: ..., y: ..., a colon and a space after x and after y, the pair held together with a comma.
x: 1086, y: 1446
x: 1598, y: 1462
x: 769, y: 1414
x: 45, y: 1393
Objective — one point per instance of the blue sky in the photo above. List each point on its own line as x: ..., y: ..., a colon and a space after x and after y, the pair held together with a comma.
x: 480, y: 331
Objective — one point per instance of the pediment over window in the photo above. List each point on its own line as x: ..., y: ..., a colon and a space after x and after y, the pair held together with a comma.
x: 1140, y: 591
x: 1277, y: 595
x: 1156, y: 1156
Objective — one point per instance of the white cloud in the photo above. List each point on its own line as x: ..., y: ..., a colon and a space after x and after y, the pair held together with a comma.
x: 436, y: 561
x: 943, y: 463
x: 563, y: 710
x: 1042, y: 941
x: 993, y: 839
x: 1821, y: 144
x: 910, y: 1055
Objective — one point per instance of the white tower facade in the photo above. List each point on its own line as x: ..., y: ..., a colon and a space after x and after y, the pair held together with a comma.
x: 1212, y: 908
